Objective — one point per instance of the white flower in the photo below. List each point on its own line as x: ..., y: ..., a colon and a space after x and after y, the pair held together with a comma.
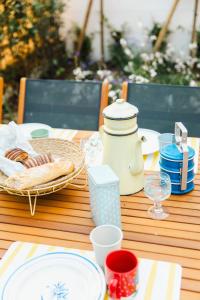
x: 198, y: 65
x: 114, y: 94
x: 128, y: 52
x: 78, y: 73
x: 138, y: 78
x: 179, y: 66
x: 190, y: 61
x: 192, y: 46
x: 151, y: 56
x: 130, y: 64
x: 100, y: 73
x: 153, y: 73
x: 81, y: 74
x: 160, y: 60
x: 154, y: 64
x: 123, y: 43
x: 193, y: 83
x: 153, y: 38
x: 145, y: 57
x: 129, y: 68
x: 158, y: 54
x: 86, y: 73
x: 169, y: 50
x: 145, y: 67
x: 110, y: 78
x: 105, y: 74
x: 141, y: 79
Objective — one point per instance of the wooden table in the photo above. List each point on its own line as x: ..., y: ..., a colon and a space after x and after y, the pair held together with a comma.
x: 64, y: 219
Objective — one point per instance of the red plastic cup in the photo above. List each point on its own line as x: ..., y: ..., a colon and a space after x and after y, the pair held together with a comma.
x: 121, y: 271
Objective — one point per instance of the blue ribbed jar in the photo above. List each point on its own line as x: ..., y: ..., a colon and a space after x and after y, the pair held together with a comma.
x: 171, y: 162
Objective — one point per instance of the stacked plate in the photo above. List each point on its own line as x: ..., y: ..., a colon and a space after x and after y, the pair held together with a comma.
x: 171, y: 162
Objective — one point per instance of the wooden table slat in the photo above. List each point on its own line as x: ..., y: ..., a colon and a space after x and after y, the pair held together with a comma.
x: 64, y: 219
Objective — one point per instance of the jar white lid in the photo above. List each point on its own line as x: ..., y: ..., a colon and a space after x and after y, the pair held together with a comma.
x: 120, y: 109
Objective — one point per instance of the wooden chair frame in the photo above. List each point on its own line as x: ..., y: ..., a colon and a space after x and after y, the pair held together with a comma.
x: 1, y: 97
x: 124, y: 91
x: 22, y: 93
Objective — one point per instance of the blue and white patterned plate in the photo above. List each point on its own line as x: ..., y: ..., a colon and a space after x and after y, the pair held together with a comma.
x: 56, y: 276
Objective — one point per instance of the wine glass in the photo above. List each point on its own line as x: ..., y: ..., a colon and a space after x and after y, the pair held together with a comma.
x: 157, y: 187
x: 93, y: 149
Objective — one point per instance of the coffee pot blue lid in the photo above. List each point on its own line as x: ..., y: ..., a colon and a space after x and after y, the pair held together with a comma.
x: 172, y: 152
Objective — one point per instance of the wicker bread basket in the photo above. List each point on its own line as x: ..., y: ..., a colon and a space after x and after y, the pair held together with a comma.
x: 57, y: 147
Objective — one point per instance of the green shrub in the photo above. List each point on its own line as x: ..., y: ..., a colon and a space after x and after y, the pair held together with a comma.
x: 30, y: 44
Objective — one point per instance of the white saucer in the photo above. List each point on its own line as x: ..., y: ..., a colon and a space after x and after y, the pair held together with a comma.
x: 27, y: 128
x: 151, y: 143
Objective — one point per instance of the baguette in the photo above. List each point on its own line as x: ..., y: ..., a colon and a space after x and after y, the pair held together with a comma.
x: 39, y: 175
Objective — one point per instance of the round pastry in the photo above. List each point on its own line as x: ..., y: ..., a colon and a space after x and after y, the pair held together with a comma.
x: 30, y: 163
x: 43, y: 159
x: 38, y: 160
x: 16, y: 154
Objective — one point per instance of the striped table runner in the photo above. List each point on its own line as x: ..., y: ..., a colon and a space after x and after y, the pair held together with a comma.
x: 158, y: 280
x: 65, y: 134
x: 151, y: 161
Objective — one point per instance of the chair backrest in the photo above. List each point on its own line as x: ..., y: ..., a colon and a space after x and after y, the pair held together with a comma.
x: 1, y: 97
x: 160, y: 106
x: 63, y: 103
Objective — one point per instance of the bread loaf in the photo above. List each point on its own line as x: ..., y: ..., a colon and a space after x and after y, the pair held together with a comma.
x: 39, y: 175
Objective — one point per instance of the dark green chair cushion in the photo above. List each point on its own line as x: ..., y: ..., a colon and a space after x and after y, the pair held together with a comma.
x: 160, y: 106
x: 63, y: 103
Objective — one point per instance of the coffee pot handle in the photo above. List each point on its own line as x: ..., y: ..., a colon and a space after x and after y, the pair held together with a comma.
x: 138, y: 165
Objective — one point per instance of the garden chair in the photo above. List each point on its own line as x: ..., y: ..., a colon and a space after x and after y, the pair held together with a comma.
x: 1, y: 97
x: 160, y: 106
x: 63, y: 103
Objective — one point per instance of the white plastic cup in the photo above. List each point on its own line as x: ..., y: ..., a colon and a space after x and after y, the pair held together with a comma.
x: 166, y: 139
x: 105, y: 238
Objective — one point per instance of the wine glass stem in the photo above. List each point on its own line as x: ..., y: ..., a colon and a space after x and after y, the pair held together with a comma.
x: 157, y: 206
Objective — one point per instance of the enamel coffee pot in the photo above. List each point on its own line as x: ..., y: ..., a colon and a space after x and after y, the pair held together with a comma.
x: 122, y: 145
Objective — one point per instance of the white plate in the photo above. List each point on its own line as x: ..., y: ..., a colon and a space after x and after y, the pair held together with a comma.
x: 60, y: 273
x: 151, y: 144
x: 27, y: 128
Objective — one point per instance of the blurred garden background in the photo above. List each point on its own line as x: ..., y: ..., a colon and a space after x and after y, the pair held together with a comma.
x: 41, y: 39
